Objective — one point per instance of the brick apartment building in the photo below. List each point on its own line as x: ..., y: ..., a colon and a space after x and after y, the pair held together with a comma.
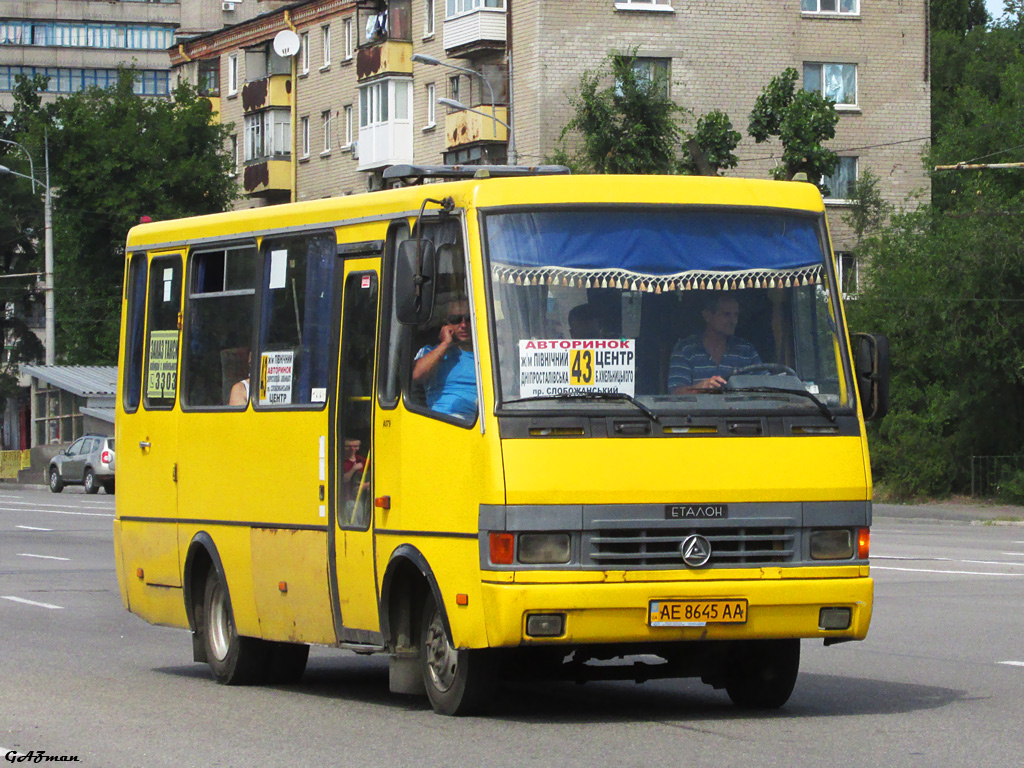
x: 357, y: 102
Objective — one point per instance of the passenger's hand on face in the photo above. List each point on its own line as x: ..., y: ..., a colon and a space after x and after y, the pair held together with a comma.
x: 447, y: 334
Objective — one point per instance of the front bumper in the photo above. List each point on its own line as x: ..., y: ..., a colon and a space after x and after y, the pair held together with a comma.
x: 618, y: 612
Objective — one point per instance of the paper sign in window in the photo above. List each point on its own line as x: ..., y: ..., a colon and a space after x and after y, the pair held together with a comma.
x: 162, y: 368
x: 553, y: 367
x: 276, y: 377
x: 278, y: 269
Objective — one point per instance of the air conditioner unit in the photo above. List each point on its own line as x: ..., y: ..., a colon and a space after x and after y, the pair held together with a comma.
x: 228, y: 5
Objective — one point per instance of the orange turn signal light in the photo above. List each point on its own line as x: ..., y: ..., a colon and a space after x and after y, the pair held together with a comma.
x: 139, y: 573
x: 863, y: 543
x: 503, y: 547
x: 462, y: 599
x: 282, y: 586
x: 382, y: 502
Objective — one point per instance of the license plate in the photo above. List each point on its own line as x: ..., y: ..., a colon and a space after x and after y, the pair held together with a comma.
x: 696, y: 613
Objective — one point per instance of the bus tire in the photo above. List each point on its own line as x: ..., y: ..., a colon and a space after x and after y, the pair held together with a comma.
x: 457, y: 681
x: 287, y: 663
x: 56, y: 485
x: 89, y: 483
x: 762, y: 673
x: 235, y: 660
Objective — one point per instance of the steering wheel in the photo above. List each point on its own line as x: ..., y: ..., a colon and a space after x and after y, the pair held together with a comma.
x: 770, y: 368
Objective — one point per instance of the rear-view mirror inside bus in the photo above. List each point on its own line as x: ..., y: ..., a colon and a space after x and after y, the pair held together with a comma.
x: 414, y: 281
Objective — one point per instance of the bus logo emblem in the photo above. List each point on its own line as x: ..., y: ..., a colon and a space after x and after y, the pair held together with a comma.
x: 696, y: 551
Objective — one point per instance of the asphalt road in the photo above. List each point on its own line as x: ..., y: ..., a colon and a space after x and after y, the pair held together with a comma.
x: 938, y: 682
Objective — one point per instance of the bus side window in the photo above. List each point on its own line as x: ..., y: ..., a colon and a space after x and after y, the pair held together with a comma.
x: 162, y: 333
x: 295, y: 320
x: 447, y: 387
x: 218, y: 318
x: 134, y: 347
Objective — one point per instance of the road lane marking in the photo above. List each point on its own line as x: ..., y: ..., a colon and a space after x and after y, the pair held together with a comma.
x: 1013, y: 554
x: 937, y: 570
x: 44, y: 557
x: 1013, y: 663
x: 948, y: 560
x: 59, y: 512
x: 32, y: 528
x: 32, y: 602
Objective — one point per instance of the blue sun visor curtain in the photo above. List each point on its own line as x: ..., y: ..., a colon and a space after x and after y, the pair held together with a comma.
x: 667, y: 249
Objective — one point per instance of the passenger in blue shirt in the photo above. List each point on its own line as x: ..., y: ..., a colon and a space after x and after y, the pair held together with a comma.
x: 447, y: 371
x: 703, y: 360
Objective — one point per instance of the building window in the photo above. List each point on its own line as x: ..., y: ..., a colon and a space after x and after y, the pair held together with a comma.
x: 849, y: 273
x: 644, y: 5
x: 647, y: 68
x: 458, y: 7
x: 349, y: 41
x: 428, y: 18
x: 833, y: 81
x: 304, y: 127
x: 232, y: 74
x: 846, y: 7
x: 304, y: 60
x: 60, y: 34
x: 348, y: 125
x: 431, y: 106
x: 838, y: 186
x: 209, y: 77
x: 326, y: 38
x: 234, y: 154
x: 148, y: 82
x: 325, y: 123
x: 453, y: 87
x: 58, y: 415
x: 268, y: 134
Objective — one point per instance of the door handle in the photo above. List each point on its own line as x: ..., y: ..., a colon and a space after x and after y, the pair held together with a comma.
x: 144, y: 444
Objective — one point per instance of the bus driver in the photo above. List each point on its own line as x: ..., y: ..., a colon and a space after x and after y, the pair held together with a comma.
x: 701, y: 361
x: 447, y: 371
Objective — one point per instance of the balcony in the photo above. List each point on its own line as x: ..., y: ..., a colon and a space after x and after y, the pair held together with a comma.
x: 385, y: 144
x: 390, y: 57
x: 272, y: 91
x: 482, y: 29
x: 267, y: 178
x: 462, y: 127
x: 214, y: 108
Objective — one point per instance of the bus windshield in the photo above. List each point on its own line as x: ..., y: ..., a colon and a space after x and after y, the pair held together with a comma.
x: 679, y: 309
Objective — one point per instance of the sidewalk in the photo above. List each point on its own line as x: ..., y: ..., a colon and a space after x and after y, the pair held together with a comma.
x: 952, y: 511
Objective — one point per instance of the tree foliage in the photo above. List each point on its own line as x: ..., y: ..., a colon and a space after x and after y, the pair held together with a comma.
x: 946, y: 282
x: 626, y: 120
x: 716, y: 139
x: 802, y: 121
x: 114, y: 157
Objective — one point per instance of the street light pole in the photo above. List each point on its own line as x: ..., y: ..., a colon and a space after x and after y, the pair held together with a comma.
x: 422, y: 58
x: 49, y: 331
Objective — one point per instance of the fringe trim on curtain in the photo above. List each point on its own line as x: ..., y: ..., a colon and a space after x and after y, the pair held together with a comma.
x: 682, y: 281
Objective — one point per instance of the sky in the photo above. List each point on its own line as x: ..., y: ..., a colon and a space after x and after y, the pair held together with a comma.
x: 994, y: 8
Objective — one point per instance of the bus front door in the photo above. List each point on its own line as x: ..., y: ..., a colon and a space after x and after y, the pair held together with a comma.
x: 147, y: 442
x: 352, y: 550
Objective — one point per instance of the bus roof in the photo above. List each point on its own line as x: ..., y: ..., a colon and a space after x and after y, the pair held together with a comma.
x: 481, y: 193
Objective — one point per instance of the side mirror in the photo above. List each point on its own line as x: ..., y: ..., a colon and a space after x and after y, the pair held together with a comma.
x: 871, y: 367
x: 415, y: 271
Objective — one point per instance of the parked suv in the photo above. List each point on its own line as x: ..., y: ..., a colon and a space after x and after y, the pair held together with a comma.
x: 88, y: 462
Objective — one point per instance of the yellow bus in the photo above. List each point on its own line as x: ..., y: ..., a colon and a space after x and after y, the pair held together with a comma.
x: 509, y: 422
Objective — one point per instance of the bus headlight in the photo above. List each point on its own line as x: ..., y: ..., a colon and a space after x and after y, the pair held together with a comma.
x: 541, y: 548
x: 831, y: 545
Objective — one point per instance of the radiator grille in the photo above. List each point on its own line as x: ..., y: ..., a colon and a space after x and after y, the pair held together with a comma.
x: 659, y: 547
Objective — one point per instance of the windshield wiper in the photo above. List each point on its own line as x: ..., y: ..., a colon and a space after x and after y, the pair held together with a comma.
x: 621, y: 396
x: 788, y: 391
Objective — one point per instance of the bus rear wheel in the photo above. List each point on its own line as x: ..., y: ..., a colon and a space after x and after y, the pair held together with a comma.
x: 235, y: 660
x: 457, y: 681
x: 762, y: 673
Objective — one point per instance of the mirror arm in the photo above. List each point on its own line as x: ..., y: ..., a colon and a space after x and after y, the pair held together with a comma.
x: 447, y: 206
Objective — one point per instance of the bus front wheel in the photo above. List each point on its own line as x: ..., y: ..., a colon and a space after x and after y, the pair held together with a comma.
x: 457, y: 681
x: 235, y: 660
x: 762, y: 673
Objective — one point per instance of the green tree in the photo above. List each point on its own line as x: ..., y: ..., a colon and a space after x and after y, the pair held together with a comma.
x: 946, y: 289
x: 802, y: 121
x: 716, y: 141
x: 957, y: 15
x: 625, y: 120
x: 115, y: 157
